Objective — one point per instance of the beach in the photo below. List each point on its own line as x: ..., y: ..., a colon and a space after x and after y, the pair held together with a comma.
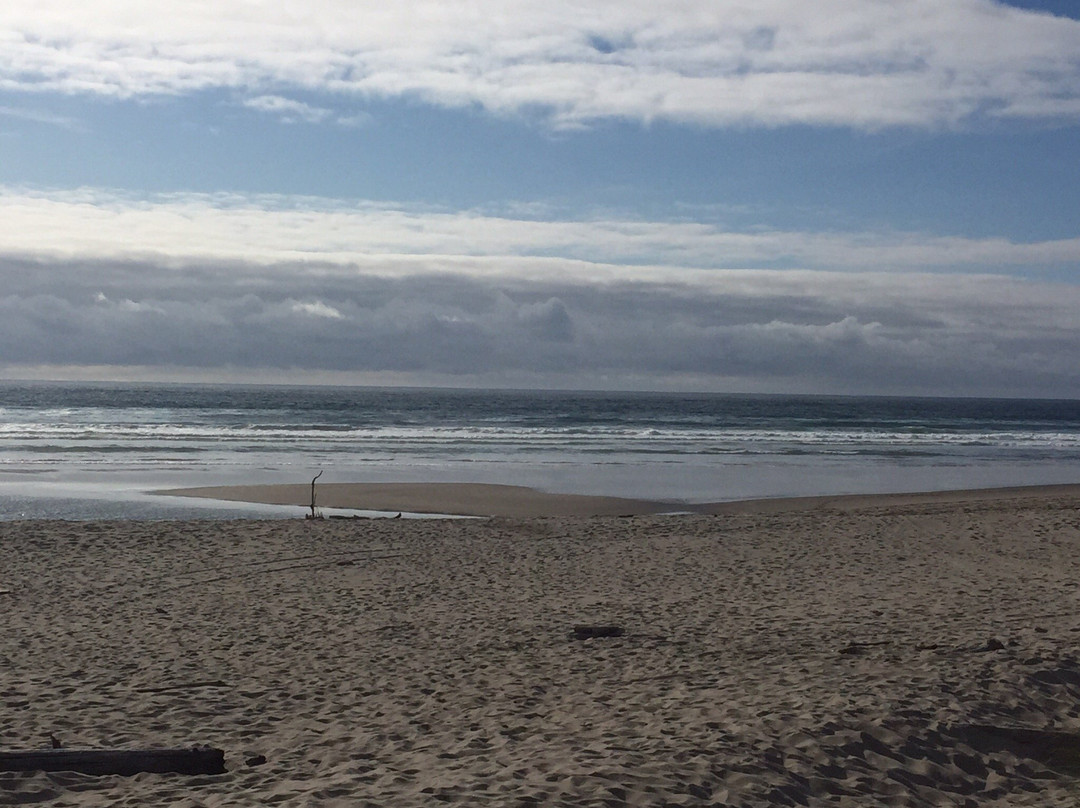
x: 914, y: 650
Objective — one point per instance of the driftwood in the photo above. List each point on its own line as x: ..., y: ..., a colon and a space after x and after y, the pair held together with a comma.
x: 855, y: 648
x: 314, y: 515
x: 588, y: 632
x: 184, y: 686
x: 196, y: 760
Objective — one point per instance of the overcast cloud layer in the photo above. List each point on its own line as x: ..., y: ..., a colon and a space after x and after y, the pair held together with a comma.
x: 859, y: 63
x: 386, y: 294
x: 749, y: 330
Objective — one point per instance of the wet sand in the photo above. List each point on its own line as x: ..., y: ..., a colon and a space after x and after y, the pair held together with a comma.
x: 483, y: 499
x: 457, y: 499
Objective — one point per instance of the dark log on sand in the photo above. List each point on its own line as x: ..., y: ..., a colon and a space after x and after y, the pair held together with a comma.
x: 196, y: 760
x: 588, y: 632
x: 313, y: 479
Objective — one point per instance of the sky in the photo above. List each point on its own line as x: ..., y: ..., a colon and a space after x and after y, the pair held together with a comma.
x: 842, y: 197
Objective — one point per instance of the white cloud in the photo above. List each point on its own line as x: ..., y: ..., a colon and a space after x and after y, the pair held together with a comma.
x: 860, y: 63
x: 38, y: 116
x: 317, y: 309
x: 287, y: 109
x: 389, y: 239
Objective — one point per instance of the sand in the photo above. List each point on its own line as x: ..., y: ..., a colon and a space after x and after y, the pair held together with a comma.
x: 459, y: 499
x: 835, y: 652
x: 485, y: 499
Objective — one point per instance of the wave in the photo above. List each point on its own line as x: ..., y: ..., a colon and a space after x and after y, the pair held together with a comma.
x: 690, y: 440
x: 98, y: 427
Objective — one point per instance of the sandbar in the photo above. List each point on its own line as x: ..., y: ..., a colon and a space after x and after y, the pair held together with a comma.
x: 457, y: 499
x: 485, y: 499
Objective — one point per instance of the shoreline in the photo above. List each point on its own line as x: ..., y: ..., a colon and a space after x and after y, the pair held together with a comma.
x: 511, y: 501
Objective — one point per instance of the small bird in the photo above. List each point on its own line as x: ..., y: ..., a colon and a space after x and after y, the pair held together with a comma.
x: 55, y: 742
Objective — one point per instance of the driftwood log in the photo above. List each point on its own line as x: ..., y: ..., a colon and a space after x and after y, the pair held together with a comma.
x: 589, y: 632
x: 196, y: 760
x: 313, y: 479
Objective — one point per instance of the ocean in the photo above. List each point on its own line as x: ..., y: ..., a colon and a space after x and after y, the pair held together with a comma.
x: 91, y: 451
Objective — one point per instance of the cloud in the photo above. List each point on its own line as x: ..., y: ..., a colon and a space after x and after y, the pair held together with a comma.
x: 391, y: 239
x: 356, y: 120
x: 287, y: 109
x: 317, y: 309
x: 38, y: 116
x: 549, y: 320
x: 854, y: 63
x: 229, y: 286
x: 744, y: 330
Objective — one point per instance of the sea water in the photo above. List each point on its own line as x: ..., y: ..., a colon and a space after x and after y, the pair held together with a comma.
x: 85, y: 451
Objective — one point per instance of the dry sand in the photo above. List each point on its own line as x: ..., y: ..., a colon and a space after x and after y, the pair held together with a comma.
x: 840, y: 652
